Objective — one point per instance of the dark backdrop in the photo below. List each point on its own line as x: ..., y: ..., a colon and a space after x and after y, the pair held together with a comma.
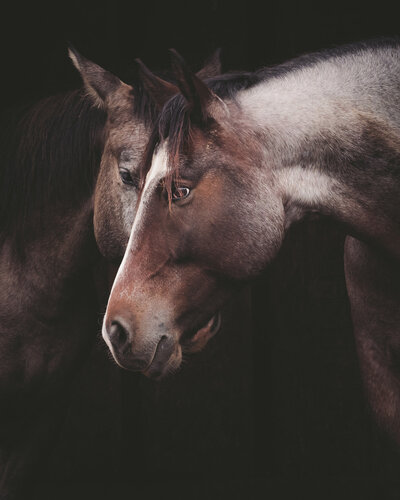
x: 276, y: 401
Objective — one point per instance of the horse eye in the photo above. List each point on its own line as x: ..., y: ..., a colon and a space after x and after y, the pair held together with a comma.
x: 126, y: 176
x: 180, y: 192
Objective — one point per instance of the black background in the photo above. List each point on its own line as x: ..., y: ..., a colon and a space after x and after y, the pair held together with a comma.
x: 276, y: 401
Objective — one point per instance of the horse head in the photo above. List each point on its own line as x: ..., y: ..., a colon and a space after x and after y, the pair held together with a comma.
x: 208, y: 219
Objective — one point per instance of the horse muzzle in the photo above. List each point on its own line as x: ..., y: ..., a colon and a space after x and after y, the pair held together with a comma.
x: 151, y: 356
x: 155, y: 355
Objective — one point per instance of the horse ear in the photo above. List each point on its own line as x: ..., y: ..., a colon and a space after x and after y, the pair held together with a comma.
x: 159, y: 90
x: 99, y: 83
x: 212, y: 66
x: 194, y: 90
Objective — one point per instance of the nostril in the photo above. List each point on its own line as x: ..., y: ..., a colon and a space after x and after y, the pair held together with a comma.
x: 118, y: 335
x: 161, y: 344
x: 162, y: 350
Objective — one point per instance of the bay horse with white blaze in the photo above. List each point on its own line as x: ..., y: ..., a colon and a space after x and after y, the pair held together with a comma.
x: 223, y: 178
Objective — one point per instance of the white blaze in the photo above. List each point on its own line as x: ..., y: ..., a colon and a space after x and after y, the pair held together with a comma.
x: 158, y: 170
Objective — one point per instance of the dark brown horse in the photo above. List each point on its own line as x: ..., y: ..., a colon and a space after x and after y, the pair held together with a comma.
x: 224, y: 177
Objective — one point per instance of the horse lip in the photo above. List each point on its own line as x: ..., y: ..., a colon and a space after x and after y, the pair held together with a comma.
x: 127, y: 364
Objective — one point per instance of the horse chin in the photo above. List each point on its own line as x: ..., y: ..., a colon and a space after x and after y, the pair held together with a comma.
x: 198, y: 341
x: 155, y: 371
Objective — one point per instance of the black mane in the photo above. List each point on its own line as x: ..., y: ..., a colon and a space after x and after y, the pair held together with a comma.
x: 49, y: 153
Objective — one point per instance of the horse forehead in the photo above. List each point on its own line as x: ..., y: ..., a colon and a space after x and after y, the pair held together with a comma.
x: 121, y: 116
x: 128, y: 131
x: 158, y: 169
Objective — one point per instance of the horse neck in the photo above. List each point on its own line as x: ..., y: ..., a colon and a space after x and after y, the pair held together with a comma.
x: 334, y: 147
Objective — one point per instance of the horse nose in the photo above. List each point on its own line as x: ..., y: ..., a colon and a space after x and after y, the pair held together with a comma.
x: 119, y: 336
x: 121, y: 340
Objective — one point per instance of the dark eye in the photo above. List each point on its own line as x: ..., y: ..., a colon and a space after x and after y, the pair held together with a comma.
x: 180, y: 192
x: 126, y: 176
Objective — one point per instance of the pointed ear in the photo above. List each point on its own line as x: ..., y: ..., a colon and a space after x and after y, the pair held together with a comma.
x: 100, y: 84
x: 159, y: 90
x: 212, y: 66
x: 194, y: 90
